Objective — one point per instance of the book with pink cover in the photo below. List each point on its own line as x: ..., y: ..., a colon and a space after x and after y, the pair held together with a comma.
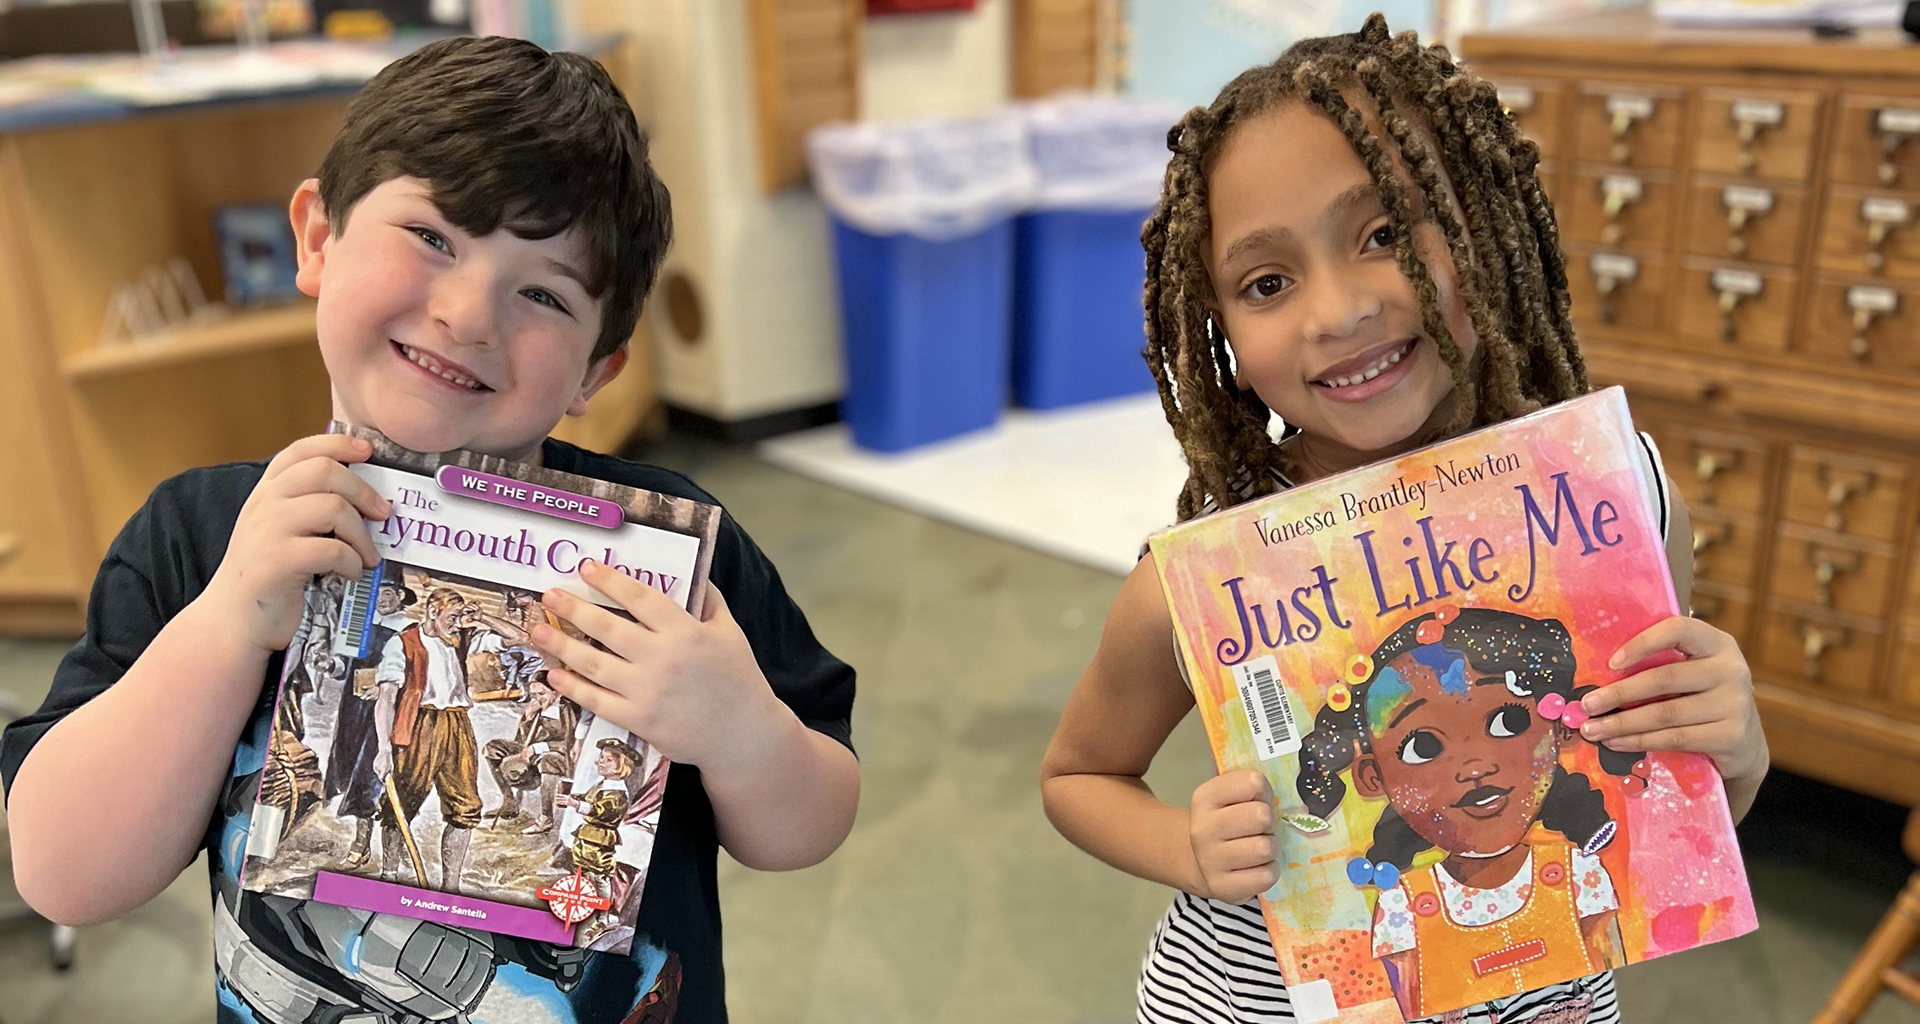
x: 1401, y: 649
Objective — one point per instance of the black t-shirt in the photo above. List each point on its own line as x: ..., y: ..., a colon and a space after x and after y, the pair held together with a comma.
x: 282, y: 961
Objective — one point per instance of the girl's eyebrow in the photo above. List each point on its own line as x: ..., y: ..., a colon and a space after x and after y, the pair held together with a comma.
x: 1341, y: 207
x: 1405, y: 711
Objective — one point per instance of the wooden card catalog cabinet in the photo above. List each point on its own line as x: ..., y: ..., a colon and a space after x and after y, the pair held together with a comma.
x: 1741, y: 216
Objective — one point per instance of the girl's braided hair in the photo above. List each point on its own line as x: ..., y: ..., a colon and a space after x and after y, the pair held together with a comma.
x: 1537, y: 657
x: 1448, y: 127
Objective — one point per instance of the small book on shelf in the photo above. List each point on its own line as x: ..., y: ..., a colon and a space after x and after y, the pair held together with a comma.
x: 1401, y: 650
x: 419, y: 763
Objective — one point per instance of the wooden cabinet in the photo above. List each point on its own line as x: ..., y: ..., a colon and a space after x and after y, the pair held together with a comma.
x: 1741, y: 214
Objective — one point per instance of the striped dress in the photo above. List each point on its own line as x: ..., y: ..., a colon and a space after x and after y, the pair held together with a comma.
x: 1213, y: 963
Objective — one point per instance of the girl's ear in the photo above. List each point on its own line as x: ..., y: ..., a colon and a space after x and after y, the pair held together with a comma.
x: 1366, y: 777
x: 311, y: 232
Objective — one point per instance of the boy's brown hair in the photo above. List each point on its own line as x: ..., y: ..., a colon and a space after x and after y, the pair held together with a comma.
x: 509, y: 135
x: 1447, y: 126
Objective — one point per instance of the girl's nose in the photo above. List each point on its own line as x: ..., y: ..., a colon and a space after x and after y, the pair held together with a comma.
x: 1340, y: 304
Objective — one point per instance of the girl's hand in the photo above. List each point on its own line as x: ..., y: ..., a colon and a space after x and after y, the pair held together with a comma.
x: 305, y: 517
x: 1702, y: 704
x: 1231, y: 823
x: 690, y: 687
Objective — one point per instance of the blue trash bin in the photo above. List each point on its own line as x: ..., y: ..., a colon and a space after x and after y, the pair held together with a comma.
x: 1077, y: 312
x: 927, y: 328
x: 923, y: 236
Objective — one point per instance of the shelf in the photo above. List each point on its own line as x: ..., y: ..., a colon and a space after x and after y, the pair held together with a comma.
x: 237, y: 333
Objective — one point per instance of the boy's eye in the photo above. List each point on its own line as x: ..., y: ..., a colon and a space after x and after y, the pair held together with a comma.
x: 1266, y: 286
x: 432, y: 237
x: 1420, y: 747
x: 545, y: 298
x: 1381, y: 238
x: 1510, y: 720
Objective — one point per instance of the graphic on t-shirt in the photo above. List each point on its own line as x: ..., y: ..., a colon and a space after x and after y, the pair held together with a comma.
x: 1402, y: 650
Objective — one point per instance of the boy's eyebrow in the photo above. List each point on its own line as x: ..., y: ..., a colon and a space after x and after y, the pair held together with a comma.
x: 565, y: 269
x: 1342, y: 205
x: 1405, y: 711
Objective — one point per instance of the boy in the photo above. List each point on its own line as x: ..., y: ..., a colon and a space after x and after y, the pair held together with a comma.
x: 479, y: 239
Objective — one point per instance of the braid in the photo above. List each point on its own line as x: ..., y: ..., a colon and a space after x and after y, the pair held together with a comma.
x: 1476, y: 180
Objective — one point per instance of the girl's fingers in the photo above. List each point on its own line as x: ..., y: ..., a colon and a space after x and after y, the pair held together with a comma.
x: 1677, y: 713
x: 649, y: 607
x: 1681, y: 677
x: 1698, y: 739
x: 1250, y: 852
x: 1682, y: 633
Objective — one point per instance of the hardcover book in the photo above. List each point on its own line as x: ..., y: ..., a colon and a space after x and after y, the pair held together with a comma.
x: 1402, y: 650
x: 420, y: 764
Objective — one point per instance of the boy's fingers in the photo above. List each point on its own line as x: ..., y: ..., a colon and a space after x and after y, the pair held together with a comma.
x: 648, y: 606
x: 715, y: 606
x: 325, y: 476
x: 597, y: 622
x: 1681, y: 677
x: 1689, y: 636
x: 584, y: 659
x: 317, y: 556
x: 338, y: 447
x: 597, y: 699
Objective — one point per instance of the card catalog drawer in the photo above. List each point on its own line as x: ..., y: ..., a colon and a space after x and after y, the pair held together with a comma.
x: 1743, y: 304
x: 1876, y: 141
x: 1728, y: 609
x: 1620, y: 289
x: 1714, y: 470
x: 1828, y: 570
x: 1817, y: 651
x: 1871, y: 232
x: 1725, y: 548
x: 1619, y: 207
x: 1764, y: 132
x: 1535, y: 104
x: 1862, y: 322
x: 1845, y: 493
x: 1629, y: 124
x: 1745, y: 221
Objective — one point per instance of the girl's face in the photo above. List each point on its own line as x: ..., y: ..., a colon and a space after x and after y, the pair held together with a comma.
x: 1322, y: 324
x: 1465, y: 761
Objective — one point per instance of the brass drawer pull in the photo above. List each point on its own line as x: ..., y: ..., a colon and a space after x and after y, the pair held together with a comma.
x: 1708, y: 464
x: 1609, y: 270
x: 1868, y: 304
x: 1839, y: 491
x: 1707, y: 538
x: 1743, y: 203
x: 1734, y: 287
x: 1896, y: 128
x: 1752, y: 116
x: 1707, y: 607
x: 1815, y: 642
x: 1826, y: 568
x: 1882, y: 215
x: 1623, y: 111
x: 1620, y: 191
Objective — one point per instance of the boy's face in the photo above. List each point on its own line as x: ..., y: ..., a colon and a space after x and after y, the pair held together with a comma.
x: 1301, y: 254
x: 442, y: 340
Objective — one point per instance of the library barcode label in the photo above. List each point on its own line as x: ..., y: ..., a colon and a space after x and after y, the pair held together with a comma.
x: 1269, y: 712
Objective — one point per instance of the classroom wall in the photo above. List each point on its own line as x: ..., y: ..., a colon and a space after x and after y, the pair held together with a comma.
x: 944, y: 64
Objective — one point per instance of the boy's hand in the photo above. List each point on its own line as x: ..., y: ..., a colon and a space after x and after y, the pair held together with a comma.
x: 1702, y: 704
x: 1231, y: 822
x: 689, y: 687
x: 303, y: 518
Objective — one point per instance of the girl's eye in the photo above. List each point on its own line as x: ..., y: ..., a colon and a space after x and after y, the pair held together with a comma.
x: 1420, y: 747
x: 545, y: 298
x: 432, y: 237
x: 1510, y: 720
x: 1382, y: 237
x: 1266, y: 286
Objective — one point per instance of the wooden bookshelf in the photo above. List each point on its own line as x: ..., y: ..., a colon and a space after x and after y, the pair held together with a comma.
x: 234, y: 333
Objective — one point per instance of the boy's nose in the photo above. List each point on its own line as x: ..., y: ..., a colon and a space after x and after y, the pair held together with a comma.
x: 462, y: 306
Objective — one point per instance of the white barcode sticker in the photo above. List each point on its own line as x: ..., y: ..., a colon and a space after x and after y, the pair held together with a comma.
x: 1269, y: 713
x: 1313, y: 1001
x: 1885, y: 210
x: 1758, y: 112
x: 356, y: 612
x: 1739, y: 282
x: 1613, y: 264
x: 1874, y: 300
x: 1746, y: 197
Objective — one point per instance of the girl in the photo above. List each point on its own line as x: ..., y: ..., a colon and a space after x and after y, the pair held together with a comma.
x: 1352, y: 238
x: 1458, y: 724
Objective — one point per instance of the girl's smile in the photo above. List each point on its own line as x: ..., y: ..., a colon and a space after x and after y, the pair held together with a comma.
x: 1371, y: 373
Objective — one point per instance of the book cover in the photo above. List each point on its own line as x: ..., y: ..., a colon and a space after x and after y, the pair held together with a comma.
x: 1401, y: 649
x: 420, y: 764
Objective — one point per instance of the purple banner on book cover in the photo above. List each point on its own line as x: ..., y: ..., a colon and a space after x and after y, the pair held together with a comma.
x: 519, y: 494
x: 440, y: 907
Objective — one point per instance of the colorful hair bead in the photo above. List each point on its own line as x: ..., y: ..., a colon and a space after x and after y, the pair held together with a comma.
x: 1360, y: 871
x: 1360, y: 669
x: 1446, y: 615
x: 1339, y: 698
x: 1552, y: 707
x: 1429, y: 632
x: 1385, y: 876
x: 1600, y: 839
x: 1574, y: 716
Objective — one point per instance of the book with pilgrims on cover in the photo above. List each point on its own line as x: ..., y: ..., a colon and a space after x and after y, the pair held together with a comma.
x: 419, y: 762
x: 1401, y: 650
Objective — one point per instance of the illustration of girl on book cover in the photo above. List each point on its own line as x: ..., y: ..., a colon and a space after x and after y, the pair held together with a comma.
x: 1486, y: 859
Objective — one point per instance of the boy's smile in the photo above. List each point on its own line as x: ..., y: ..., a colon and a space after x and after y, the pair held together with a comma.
x: 440, y: 339
x: 1322, y: 324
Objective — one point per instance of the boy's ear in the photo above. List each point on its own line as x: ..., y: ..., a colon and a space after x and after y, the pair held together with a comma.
x: 599, y: 375
x: 311, y: 231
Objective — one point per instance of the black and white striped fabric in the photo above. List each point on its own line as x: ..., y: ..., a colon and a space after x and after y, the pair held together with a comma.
x: 1213, y: 963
